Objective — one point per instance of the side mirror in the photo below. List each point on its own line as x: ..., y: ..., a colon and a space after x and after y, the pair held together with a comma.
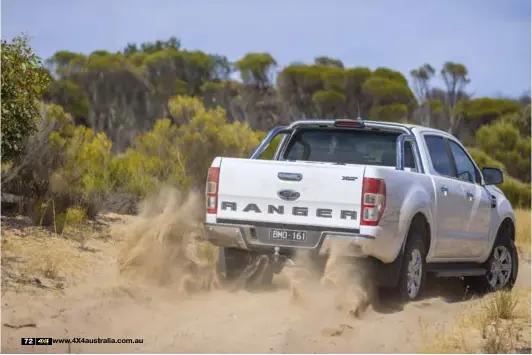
x: 492, y: 176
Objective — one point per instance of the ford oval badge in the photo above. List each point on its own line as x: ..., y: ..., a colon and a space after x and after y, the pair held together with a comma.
x: 288, y: 195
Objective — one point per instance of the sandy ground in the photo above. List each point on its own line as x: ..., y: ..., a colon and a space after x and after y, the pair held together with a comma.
x: 95, y: 300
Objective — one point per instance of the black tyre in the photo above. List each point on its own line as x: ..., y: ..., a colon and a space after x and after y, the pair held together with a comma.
x: 232, y: 263
x: 413, y: 274
x: 502, y: 266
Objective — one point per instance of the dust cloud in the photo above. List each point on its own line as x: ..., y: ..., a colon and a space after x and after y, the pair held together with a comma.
x: 164, y: 244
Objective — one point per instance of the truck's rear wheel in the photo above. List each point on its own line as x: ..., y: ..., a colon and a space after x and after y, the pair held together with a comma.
x: 501, y: 267
x: 233, y: 263
x: 413, y: 274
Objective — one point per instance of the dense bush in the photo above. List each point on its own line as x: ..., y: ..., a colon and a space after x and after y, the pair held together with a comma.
x: 272, y: 148
x: 483, y: 159
x: 504, y: 142
x: 517, y: 192
x: 181, y: 155
x: 64, y: 165
x: 67, y: 167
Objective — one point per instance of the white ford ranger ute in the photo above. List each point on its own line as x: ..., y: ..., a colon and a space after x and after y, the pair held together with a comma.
x: 407, y: 199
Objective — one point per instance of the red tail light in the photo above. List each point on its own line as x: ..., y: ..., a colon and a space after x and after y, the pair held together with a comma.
x: 349, y: 123
x: 373, y: 201
x: 211, y: 190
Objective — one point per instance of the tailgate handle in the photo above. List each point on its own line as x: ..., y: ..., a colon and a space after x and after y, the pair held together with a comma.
x: 290, y: 176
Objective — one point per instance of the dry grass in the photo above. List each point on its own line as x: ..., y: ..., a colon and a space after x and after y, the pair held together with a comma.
x: 36, y: 256
x: 39, y: 256
x: 523, y: 231
x: 501, y: 305
x: 500, y: 323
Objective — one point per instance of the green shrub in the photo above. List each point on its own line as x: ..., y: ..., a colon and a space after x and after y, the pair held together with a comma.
x: 270, y: 151
x: 155, y: 158
x: 64, y: 165
x: 86, y: 157
x: 181, y: 155
x: 517, y: 192
x: 484, y: 160
x: 135, y: 173
x: 72, y: 217
x: 40, y: 212
x: 209, y: 135
x: 503, y: 141
x: 23, y: 81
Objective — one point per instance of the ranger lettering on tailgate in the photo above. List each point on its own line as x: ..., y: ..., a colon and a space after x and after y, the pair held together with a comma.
x: 296, y: 211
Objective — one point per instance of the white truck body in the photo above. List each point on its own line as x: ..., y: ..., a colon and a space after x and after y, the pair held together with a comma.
x: 323, y: 200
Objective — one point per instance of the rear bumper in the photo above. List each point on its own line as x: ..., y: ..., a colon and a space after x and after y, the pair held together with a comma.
x: 249, y: 237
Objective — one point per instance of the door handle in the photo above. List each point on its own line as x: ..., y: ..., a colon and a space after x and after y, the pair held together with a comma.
x: 470, y: 196
x: 444, y: 190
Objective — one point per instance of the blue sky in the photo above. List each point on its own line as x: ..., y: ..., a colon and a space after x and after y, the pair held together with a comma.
x: 491, y: 37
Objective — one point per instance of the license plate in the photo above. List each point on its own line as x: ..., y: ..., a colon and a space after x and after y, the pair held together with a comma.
x: 286, y: 234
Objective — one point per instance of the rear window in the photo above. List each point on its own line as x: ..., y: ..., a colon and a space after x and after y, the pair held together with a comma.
x: 346, y: 146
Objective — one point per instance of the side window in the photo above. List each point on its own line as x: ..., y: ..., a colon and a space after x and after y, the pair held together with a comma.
x: 296, y: 152
x: 410, y: 161
x: 269, y: 152
x: 438, y: 155
x: 465, y: 169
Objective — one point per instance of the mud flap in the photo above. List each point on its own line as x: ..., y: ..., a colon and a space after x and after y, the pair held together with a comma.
x: 222, y: 264
x: 386, y: 275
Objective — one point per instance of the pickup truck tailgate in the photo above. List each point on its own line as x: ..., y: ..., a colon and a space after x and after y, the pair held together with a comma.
x: 253, y: 190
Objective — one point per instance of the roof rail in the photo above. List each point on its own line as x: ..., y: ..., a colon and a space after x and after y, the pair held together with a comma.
x: 332, y: 122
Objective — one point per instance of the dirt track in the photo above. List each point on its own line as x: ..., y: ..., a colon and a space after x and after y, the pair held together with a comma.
x: 105, y: 304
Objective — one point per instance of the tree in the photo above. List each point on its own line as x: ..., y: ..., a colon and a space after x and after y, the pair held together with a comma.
x: 456, y: 77
x: 384, y: 91
x: 256, y: 69
x: 484, y: 110
x: 329, y: 103
x: 390, y: 74
x: 221, y: 67
x: 329, y: 62
x: 24, y: 79
x: 525, y: 99
x: 71, y: 97
x: 421, y: 78
x: 357, y: 102
x: 63, y: 63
